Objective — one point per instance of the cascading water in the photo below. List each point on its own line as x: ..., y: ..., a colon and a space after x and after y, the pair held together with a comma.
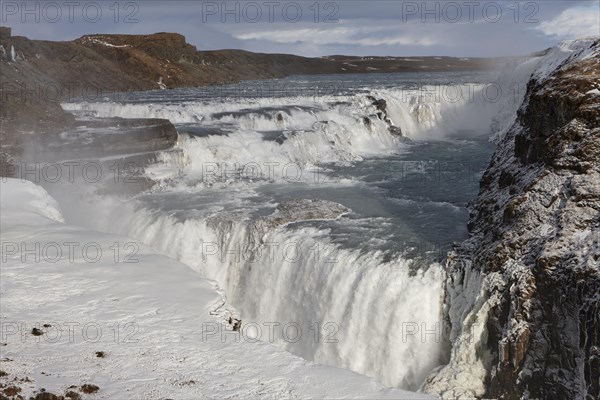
x: 330, y: 304
x: 341, y: 270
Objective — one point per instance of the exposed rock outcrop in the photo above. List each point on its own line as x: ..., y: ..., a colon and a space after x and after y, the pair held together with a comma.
x: 523, y: 292
x: 299, y: 210
x: 381, y: 113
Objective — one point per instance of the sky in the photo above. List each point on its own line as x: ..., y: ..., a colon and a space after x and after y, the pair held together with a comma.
x: 318, y: 28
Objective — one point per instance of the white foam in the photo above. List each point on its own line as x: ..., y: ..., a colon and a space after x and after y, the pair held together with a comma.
x: 378, y: 310
x: 370, y: 307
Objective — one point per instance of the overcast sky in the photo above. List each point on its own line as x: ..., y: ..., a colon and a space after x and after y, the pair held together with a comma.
x: 310, y: 28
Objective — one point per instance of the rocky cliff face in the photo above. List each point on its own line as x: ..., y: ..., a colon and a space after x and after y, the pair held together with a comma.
x: 523, y: 292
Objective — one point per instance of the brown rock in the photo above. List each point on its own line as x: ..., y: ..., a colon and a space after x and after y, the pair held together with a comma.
x: 73, y: 395
x: 12, y: 390
x: 37, y: 332
x: 89, y: 388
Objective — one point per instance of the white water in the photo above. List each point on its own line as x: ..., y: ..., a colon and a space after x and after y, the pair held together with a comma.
x: 382, y: 312
x: 371, y: 314
x: 417, y: 110
x: 350, y: 308
x: 310, y: 130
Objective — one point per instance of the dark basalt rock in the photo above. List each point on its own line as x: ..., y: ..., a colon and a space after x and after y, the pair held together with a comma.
x: 72, y: 395
x: 37, y: 332
x: 381, y: 107
x: 395, y: 130
x: 236, y: 324
x: 48, y: 396
x: 89, y: 388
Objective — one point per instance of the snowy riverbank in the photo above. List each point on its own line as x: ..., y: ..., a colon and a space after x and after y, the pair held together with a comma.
x: 149, y: 315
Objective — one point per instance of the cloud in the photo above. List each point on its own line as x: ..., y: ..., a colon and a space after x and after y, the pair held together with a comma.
x: 357, y: 36
x: 573, y: 23
x: 363, y: 28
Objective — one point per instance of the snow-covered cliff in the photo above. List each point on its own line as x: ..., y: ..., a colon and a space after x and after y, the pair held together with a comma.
x: 523, y: 292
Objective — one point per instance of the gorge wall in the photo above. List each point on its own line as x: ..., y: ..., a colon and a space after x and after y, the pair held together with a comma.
x: 523, y: 292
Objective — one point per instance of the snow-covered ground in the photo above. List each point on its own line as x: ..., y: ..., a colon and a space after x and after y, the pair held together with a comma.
x: 150, y: 316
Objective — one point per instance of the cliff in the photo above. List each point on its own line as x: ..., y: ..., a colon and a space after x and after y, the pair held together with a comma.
x: 523, y: 292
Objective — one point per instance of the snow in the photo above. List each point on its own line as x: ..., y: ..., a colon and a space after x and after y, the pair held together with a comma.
x: 103, y: 43
x: 151, y: 316
x: 161, y: 84
x: 515, y: 76
x: 546, y: 229
x: 567, y: 51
